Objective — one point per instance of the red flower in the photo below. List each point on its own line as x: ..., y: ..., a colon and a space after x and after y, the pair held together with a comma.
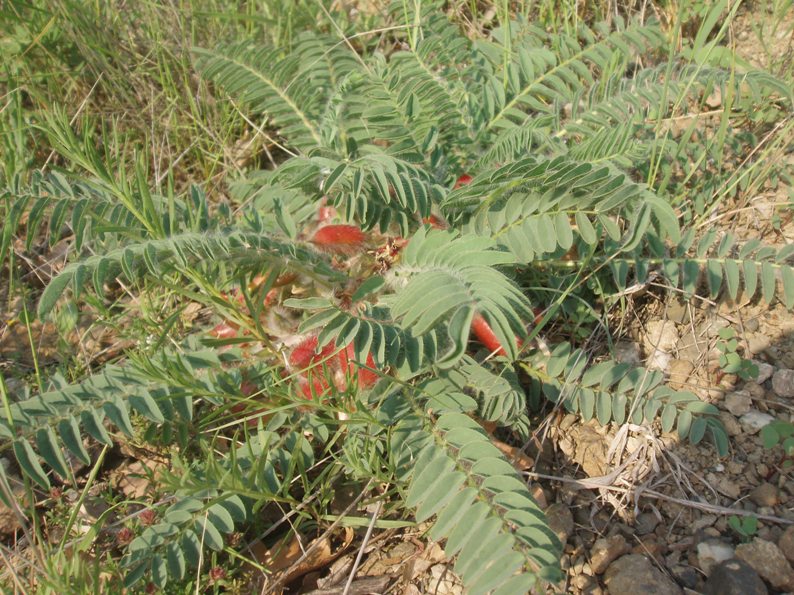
x: 346, y: 240
x: 485, y: 335
x: 304, y: 355
x: 364, y: 377
x: 124, y: 536
x: 216, y: 574
x: 463, y: 180
x: 148, y: 517
x: 435, y: 221
x: 312, y: 381
x: 224, y: 330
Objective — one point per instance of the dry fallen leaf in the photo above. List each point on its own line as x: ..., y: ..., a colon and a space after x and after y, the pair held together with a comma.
x: 135, y: 480
x: 515, y: 455
x: 287, y: 557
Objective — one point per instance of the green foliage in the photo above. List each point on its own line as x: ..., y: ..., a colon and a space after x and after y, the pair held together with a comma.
x: 610, y: 391
x: 730, y: 361
x: 745, y: 526
x: 782, y: 433
x: 562, y: 136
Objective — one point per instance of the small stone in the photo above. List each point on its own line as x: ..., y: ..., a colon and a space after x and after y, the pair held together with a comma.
x: 754, y: 420
x: 711, y: 552
x: 678, y: 311
x: 634, y: 574
x: 758, y: 343
x: 560, y: 520
x: 707, y: 520
x: 9, y: 520
x: 786, y: 543
x: 582, y: 582
x: 726, y: 485
x: 768, y: 561
x: 650, y: 546
x: 738, y: 403
x: 686, y: 575
x: 715, y: 99
x: 645, y: 523
x: 765, y: 371
x: 628, y: 352
x: 731, y: 424
x: 661, y: 335
x: 765, y: 495
x: 660, y: 338
x: 443, y: 581
x: 756, y: 391
x: 659, y: 360
x: 604, y: 551
x: 783, y: 383
x: 734, y: 577
x: 679, y: 371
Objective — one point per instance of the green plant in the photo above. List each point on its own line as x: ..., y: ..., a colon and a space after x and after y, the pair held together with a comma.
x: 744, y: 526
x: 780, y: 432
x: 560, y: 135
x: 730, y: 361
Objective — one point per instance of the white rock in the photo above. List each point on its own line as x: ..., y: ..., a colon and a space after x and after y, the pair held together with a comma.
x: 783, y: 383
x: 712, y: 552
x: 659, y: 341
x: 661, y: 335
x: 753, y: 421
x: 659, y: 360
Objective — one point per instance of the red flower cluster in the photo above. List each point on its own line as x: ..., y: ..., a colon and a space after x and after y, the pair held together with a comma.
x: 315, y: 369
x: 463, y: 180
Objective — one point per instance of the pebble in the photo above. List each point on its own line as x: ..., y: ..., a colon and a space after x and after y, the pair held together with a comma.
x: 724, y: 484
x: 765, y: 371
x: 604, y: 551
x: 704, y: 521
x: 786, y: 543
x: 9, y: 520
x: 711, y: 552
x: 628, y: 352
x: 783, y: 383
x: 634, y: 574
x: 756, y: 391
x: 582, y: 582
x: 661, y: 335
x: 679, y: 371
x: 560, y: 520
x: 443, y: 581
x: 686, y: 575
x: 754, y: 420
x: 645, y: 523
x: 758, y: 343
x: 734, y: 577
x: 768, y: 561
x: 765, y: 495
x: 731, y: 424
x: 738, y: 403
x: 660, y: 339
x: 678, y: 312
